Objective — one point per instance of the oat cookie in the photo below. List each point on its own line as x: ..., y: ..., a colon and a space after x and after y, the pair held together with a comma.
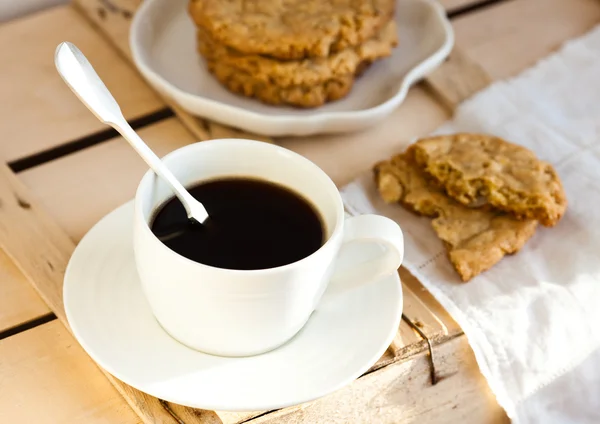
x: 306, y: 72
x: 295, y: 95
x: 478, y: 169
x: 291, y: 29
x: 476, y: 239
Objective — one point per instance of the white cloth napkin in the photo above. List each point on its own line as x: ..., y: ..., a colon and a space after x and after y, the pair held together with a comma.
x: 533, y: 320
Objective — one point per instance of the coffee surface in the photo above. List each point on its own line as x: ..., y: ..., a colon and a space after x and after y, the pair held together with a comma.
x: 252, y: 224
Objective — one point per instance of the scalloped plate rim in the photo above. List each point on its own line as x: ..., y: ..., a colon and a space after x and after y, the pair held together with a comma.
x: 279, y: 125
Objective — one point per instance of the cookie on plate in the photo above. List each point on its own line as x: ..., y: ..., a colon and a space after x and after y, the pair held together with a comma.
x: 303, y: 72
x: 476, y: 239
x: 291, y: 29
x: 478, y: 169
x: 294, y: 95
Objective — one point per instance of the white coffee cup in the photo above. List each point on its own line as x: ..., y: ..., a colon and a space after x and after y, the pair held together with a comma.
x: 236, y: 312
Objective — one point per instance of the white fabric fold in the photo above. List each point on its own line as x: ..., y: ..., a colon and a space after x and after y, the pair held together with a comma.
x: 533, y: 320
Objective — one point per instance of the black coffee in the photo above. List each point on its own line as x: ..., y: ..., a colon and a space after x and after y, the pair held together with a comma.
x: 253, y: 224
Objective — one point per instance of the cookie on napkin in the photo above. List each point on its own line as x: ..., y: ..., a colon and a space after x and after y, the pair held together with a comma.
x: 476, y: 239
x: 478, y: 169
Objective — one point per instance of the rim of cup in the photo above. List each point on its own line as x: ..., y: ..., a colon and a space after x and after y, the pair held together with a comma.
x: 259, y: 145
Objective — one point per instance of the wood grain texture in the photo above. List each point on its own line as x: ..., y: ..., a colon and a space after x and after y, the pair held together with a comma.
x: 152, y: 410
x: 19, y: 302
x: 43, y: 382
x: 237, y: 417
x: 35, y: 244
x: 39, y: 111
x: 402, y: 393
x: 112, y: 18
x: 513, y: 35
x: 457, y: 79
x: 424, y: 296
x: 407, y: 342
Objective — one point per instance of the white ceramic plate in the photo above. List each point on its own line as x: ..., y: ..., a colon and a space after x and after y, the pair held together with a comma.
x: 111, y: 319
x: 163, y: 44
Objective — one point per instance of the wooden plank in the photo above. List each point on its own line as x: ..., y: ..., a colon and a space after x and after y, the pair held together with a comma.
x: 511, y: 36
x: 402, y: 393
x: 457, y: 79
x: 18, y: 300
x: 79, y: 189
x: 344, y: 156
x: 432, y: 306
x: 42, y: 382
x: 37, y: 246
x: 41, y: 250
x: 39, y: 111
x: 112, y: 18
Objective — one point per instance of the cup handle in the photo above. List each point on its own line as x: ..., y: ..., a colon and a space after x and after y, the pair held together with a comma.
x: 369, y: 229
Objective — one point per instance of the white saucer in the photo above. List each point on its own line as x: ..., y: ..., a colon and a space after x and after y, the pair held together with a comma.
x: 163, y: 45
x: 110, y: 317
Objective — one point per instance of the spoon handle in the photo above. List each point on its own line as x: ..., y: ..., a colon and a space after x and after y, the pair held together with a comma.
x: 194, y: 209
x: 82, y: 79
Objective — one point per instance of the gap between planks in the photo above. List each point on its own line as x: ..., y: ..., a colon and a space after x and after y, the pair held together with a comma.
x: 74, y: 146
x: 461, y: 8
x: 27, y: 325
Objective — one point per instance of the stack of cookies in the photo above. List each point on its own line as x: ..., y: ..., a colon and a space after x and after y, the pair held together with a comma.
x: 302, y: 53
x: 485, y: 195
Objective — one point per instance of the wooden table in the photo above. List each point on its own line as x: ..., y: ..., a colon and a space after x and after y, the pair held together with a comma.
x: 66, y: 170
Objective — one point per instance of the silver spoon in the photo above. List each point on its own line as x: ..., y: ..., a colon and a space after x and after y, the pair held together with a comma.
x: 82, y: 79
